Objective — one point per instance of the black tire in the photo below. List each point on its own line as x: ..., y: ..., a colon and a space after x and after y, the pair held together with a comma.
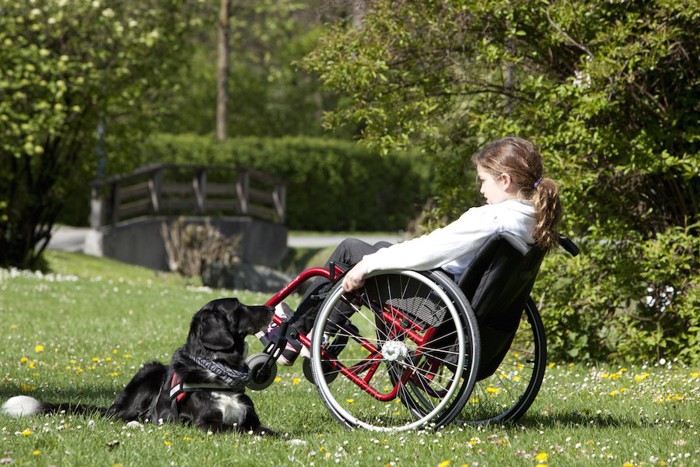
x: 404, y: 365
x: 509, y: 392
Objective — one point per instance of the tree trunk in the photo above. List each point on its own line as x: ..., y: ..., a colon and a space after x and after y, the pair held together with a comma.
x: 222, y: 70
x: 359, y: 9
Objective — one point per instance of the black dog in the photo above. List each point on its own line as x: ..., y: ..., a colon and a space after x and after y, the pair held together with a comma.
x: 204, y: 384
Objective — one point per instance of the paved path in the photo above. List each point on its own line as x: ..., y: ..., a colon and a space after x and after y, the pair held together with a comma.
x: 322, y: 241
x: 73, y: 239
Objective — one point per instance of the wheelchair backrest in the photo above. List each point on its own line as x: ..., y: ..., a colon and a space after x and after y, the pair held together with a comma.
x: 498, y: 284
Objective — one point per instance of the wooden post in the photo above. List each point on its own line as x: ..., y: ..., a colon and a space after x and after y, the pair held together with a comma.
x: 279, y: 197
x: 199, y: 183
x: 155, y: 183
x: 242, y: 186
x: 114, y: 202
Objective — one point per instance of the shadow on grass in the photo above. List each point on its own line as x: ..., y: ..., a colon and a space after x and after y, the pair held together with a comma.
x: 586, y: 420
x: 100, y: 396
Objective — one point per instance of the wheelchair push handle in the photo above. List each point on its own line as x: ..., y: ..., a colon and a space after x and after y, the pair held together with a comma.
x: 568, y: 245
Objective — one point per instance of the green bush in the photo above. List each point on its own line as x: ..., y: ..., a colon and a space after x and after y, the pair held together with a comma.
x: 595, y: 319
x: 332, y: 185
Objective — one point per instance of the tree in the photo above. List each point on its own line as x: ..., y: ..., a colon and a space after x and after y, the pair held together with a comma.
x: 609, y: 91
x: 65, y: 65
x: 268, y: 93
x: 222, y: 70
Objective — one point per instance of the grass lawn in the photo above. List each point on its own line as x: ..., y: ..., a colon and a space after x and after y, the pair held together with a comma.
x: 81, y: 332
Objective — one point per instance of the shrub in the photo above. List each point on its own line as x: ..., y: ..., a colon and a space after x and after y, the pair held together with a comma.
x: 596, y: 319
x: 332, y: 185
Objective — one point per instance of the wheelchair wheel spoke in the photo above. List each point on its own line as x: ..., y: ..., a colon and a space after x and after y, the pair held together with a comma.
x: 506, y: 394
x: 400, y: 336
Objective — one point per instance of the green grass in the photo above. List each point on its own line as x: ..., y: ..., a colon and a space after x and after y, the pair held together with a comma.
x: 79, y: 334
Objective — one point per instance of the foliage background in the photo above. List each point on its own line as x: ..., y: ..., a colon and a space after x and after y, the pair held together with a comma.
x: 67, y: 67
x: 609, y: 91
x: 324, y: 177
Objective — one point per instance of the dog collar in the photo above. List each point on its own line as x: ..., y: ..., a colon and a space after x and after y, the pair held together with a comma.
x: 235, y: 379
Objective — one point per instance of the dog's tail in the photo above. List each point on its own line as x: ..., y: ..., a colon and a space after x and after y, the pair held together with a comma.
x: 24, y: 406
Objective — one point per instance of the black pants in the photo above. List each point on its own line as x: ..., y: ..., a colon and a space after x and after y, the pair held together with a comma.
x: 348, y: 253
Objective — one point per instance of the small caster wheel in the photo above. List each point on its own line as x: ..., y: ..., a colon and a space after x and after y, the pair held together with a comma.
x: 328, y: 371
x: 260, y: 376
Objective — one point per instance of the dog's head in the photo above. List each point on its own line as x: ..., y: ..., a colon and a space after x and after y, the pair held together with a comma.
x: 218, y: 330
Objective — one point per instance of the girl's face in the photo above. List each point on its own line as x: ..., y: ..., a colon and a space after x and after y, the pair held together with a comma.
x: 493, y: 188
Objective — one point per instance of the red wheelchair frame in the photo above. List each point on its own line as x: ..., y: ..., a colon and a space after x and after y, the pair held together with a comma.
x: 399, y: 341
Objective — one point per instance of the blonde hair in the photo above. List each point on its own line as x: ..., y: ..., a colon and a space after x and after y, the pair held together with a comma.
x: 521, y: 160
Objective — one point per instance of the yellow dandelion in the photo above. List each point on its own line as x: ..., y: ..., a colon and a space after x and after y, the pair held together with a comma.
x: 39, y: 348
x: 542, y: 457
x: 186, y: 438
x: 695, y: 374
x: 95, y: 359
x: 36, y: 452
x: 27, y: 432
x: 444, y: 463
x: 115, y: 351
x: 551, y: 365
x: 350, y: 401
x: 32, y: 364
x: 491, y: 390
x: 296, y: 380
x: 23, y: 360
x: 167, y: 443
x: 114, y: 374
x: 27, y: 387
x: 278, y: 379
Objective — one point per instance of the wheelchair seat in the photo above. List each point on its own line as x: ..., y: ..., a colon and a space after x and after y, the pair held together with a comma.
x: 498, y: 284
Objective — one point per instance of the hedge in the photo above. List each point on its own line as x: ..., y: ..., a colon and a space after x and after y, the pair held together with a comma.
x: 332, y: 185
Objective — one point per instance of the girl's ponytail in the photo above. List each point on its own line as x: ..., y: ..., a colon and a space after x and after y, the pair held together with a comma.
x: 548, y: 211
x: 521, y: 160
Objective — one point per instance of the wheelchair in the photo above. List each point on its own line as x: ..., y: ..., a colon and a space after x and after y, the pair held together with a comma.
x: 417, y: 350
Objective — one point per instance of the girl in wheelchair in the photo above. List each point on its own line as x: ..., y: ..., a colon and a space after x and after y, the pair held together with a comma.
x: 519, y: 199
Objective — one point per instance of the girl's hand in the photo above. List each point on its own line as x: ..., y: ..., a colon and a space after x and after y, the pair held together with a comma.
x: 355, y: 278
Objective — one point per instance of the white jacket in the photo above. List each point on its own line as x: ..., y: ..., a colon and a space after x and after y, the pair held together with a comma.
x: 454, y: 246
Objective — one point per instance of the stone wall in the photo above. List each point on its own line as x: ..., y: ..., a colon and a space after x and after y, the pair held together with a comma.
x: 139, y: 241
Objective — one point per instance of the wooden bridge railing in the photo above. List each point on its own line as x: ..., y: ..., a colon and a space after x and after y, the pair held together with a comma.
x: 172, y: 189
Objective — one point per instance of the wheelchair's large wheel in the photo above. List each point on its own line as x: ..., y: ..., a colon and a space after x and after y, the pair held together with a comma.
x: 506, y: 395
x: 409, y: 357
x: 414, y: 396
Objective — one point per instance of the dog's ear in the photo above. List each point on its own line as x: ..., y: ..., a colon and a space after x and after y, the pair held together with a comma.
x: 215, y: 334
